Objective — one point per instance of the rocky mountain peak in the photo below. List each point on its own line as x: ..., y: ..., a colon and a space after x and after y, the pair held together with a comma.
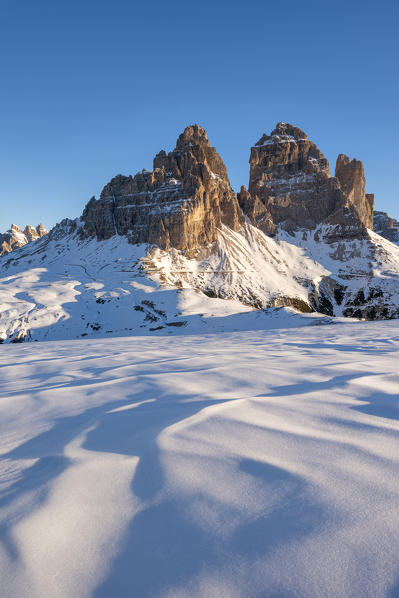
x: 346, y: 170
x: 32, y: 233
x: 282, y: 133
x: 41, y: 230
x: 285, y: 153
x: 289, y: 182
x: 193, y: 155
x: 342, y: 161
x: 290, y: 186
x: 192, y: 135
x: 15, y: 237
x: 181, y: 203
x: 286, y: 129
x: 185, y: 199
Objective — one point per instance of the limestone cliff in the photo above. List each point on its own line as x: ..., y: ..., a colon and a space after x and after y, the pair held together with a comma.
x: 181, y: 203
x: 350, y: 174
x: 290, y: 186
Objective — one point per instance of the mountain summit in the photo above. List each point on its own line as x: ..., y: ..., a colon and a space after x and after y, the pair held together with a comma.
x: 181, y: 203
x: 290, y: 185
x: 14, y: 237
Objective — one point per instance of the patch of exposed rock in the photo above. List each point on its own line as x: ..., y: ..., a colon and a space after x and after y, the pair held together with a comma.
x: 386, y: 226
x: 16, y: 237
x: 181, y: 203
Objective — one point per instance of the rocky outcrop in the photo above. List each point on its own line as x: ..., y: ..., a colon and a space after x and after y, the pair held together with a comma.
x: 386, y: 226
x: 290, y: 186
x: 350, y: 174
x: 256, y: 211
x: 290, y: 178
x: 181, y: 203
x: 15, y: 237
x: 185, y: 199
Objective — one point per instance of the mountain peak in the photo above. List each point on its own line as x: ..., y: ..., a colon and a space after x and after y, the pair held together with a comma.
x: 290, y: 130
x: 181, y: 203
x: 192, y: 135
x: 282, y: 133
x: 15, y: 237
x: 291, y: 186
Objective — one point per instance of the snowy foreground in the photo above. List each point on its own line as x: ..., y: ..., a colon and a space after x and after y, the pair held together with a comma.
x: 246, y: 464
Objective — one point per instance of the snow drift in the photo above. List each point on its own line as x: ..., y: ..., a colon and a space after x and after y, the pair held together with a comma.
x: 256, y: 464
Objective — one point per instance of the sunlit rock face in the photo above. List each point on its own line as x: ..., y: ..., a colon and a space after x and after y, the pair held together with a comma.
x: 350, y: 174
x: 290, y: 178
x: 290, y: 186
x: 181, y: 203
x: 16, y: 237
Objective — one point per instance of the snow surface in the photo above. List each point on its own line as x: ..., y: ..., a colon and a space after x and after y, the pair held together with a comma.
x: 249, y: 464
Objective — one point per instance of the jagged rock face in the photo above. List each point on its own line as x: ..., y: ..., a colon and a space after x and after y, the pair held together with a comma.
x: 290, y: 186
x: 15, y: 237
x: 41, y: 230
x: 350, y: 174
x: 181, y: 203
x: 386, y: 226
x: 290, y: 177
x: 256, y: 211
x: 30, y: 233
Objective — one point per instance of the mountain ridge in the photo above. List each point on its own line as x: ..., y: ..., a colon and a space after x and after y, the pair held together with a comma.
x: 15, y: 237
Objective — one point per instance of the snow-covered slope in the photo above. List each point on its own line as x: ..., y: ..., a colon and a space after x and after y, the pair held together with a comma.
x: 240, y: 465
x: 363, y: 279
x: 68, y: 286
x: 247, y: 265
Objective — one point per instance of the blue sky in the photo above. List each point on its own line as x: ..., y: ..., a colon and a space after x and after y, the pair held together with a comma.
x: 90, y: 89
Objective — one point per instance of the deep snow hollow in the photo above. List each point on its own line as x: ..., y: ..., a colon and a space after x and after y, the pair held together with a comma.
x: 246, y: 464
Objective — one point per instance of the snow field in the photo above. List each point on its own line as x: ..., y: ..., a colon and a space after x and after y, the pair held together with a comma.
x: 255, y: 463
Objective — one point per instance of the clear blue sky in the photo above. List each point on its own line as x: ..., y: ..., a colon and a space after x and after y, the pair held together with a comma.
x: 91, y: 88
